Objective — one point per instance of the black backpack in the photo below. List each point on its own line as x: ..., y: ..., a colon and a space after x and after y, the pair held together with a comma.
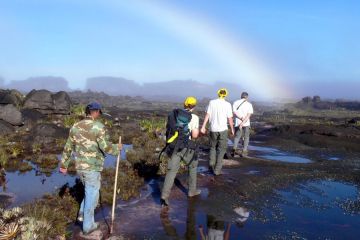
x: 177, y: 131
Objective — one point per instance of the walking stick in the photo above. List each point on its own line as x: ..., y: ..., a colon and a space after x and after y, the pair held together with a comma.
x: 115, y: 189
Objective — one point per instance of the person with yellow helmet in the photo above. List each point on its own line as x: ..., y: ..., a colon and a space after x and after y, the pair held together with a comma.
x: 219, y: 113
x: 181, y: 129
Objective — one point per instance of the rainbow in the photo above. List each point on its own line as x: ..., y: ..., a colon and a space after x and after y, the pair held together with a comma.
x: 236, y: 57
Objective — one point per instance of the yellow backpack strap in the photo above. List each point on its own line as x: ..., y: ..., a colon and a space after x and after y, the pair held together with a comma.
x: 173, y: 137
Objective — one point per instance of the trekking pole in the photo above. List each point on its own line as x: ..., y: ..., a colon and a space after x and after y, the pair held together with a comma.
x: 115, y: 189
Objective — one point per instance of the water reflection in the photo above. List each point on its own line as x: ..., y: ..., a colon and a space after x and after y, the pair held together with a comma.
x: 199, y: 225
x: 216, y: 229
x: 169, y: 227
x: 2, y: 178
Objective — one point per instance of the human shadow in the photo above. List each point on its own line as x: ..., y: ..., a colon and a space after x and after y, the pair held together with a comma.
x: 77, y: 191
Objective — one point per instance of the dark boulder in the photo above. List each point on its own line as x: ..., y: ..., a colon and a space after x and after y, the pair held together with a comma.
x: 316, y: 99
x: 9, y: 113
x: 47, y: 134
x: 306, y: 100
x: 31, y: 116
x: 47, y: 103
x: 11, y: 97
x: 5, y: 128
x: 62, y: 102
x: 355, y: 121
x: 40, y: 100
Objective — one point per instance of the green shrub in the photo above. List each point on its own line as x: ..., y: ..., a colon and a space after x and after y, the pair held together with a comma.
x: 78, y: 110
x: 36, y: 148
x: 70, y: 120
x: 3, y: 157
x: 153, y: 125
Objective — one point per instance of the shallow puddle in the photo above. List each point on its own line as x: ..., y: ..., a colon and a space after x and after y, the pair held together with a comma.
x: 312, y: 210
x: 24, y: 187
x: 275, y: 154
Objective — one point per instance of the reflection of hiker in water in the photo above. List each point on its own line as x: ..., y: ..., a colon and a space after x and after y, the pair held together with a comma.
x: 170, y: 230
x: 216, y: 230
x: 181, y: 129
x: 2, y: 178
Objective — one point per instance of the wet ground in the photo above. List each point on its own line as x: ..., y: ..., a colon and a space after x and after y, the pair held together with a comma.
x: 309, y: 210
x: 274, y: 194
x: 24, y: 187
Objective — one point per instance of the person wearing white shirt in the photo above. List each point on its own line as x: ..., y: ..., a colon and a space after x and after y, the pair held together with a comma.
x: 219, y: 114
x: 243, y: 110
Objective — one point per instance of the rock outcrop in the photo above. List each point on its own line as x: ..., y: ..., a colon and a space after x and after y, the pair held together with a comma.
x: 5, y: 128
x: 31, y: 116
x: 13, y: 97
x: 47, y: 103
x: 9, y: 113
x: 47, y: 134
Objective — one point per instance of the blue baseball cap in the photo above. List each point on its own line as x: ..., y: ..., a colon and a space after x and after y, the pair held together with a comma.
x: 94, y: 106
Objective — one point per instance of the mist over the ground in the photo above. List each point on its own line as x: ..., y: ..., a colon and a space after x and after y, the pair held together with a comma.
x: 170, y: 90
x: 176, y: 90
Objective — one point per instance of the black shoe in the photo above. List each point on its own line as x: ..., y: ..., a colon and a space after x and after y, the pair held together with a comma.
x: 164, y: 202
x: 232, y: 153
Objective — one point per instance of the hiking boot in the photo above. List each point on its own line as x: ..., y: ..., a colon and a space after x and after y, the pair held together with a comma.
x: 93, y: 229
x: 237, y: 152
x: 194, y: 193
x: 244, y: 154
x: 164, y: 202
x: 217, y: 173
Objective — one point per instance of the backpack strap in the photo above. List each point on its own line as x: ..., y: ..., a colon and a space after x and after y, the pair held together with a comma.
x: 241, y: 104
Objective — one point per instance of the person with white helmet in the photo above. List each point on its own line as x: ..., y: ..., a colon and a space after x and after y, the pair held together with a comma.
x: 219, y: 113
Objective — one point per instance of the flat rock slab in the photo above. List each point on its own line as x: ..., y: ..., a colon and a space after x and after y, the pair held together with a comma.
x: 229, y: 162
x: 6, y: 199
x: 100, y: 234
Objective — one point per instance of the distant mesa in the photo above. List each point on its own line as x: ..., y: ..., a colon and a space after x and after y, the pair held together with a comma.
x: 168, y: 90
x: 53, y: 84
x: 174, y: 90
x: 113, y: 86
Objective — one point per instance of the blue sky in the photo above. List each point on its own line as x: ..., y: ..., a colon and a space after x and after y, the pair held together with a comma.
x: 304, y: 43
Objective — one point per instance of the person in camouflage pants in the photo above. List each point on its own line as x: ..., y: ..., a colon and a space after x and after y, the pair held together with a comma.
x: 88, y: 143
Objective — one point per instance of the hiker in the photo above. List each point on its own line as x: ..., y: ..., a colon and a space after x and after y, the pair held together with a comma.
x: 181, y: 129
x: 2, y: 178
x: 243, y: 110
x: 88, y: 142
x: 219, y: 114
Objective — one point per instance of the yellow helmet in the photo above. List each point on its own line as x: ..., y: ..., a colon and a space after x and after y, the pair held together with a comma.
x: 222, y: 92
x: 190, y: 102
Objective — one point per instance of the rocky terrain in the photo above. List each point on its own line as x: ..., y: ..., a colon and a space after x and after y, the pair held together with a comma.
x: 34, y: 127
